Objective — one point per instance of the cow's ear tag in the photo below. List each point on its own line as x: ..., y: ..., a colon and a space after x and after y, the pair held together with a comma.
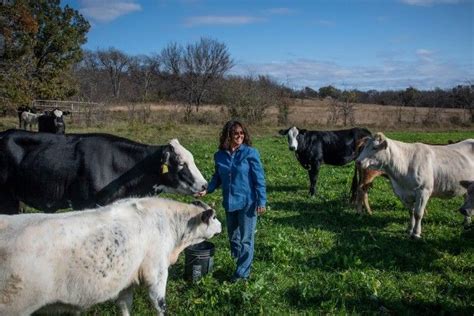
x: 164, y: 168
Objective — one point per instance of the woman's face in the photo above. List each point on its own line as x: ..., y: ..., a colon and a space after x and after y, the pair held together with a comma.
x: 238, y: 136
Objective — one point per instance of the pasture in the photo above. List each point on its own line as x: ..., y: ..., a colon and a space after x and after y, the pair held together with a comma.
x: 316, y: 255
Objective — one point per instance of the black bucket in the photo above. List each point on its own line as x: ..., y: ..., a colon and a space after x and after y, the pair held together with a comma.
x: 198, y: 260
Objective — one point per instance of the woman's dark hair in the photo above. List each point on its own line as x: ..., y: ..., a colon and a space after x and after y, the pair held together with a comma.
x: 228, y: 132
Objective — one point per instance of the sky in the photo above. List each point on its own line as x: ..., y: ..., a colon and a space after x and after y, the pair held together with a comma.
x: 350, y: 44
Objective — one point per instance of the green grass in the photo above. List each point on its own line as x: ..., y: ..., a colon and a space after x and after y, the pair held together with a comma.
x: 316, y: 255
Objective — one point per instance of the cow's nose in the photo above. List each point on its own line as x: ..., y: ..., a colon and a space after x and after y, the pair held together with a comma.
x: 463, y: 211
x: 292, y: 148
x: 204, y: 187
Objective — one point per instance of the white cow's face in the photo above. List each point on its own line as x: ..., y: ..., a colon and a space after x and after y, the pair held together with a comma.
x: 374, y: 153
x: 208, y: 225
x: 292, y: 138
x: 179, y: 173
x: 467, y: 209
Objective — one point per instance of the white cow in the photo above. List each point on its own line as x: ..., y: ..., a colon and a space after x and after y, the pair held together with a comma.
x: 418, y: 171
x: 78, y: 259
x: 29, y: 119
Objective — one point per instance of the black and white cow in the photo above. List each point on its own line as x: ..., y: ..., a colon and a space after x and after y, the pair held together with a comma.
x: 71, y: 261
x: 313, y: 148
x: 24, y: 108
x: 52, y: 122
x: 28, y: 120
x: 50, y: 171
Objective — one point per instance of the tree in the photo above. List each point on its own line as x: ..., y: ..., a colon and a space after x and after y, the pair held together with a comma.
x: 343, y: 108
x: 42, y: 42
x: 116, y: 63
x: 464, y: 98
x: 144, y: 70
x: 196, y: 67
x: 329, y: 91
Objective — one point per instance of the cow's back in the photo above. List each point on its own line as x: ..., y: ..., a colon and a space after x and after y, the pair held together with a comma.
x: 84, y: 257
x: 49, y: 171
x: 452, y: 164
x: 339, y: 147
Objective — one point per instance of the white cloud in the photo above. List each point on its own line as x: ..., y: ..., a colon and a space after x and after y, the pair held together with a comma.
x: 221, y: 20
x: 280, y: 11
x: 106, y: 11
x: 422, y: 71
x: 424, y: 55
x: 427, y: 3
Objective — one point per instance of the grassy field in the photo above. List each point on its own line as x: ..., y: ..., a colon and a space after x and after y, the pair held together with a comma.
x: 316, y: 255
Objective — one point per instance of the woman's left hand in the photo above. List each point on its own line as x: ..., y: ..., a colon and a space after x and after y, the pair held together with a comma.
x: 260, y: 210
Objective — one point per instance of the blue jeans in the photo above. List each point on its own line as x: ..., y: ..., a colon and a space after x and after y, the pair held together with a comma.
x: 241, y: 231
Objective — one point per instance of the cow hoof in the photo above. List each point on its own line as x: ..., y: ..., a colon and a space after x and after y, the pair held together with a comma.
x: 415, y: 237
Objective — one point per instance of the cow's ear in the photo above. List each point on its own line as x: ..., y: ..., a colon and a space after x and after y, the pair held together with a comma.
x: 383, y: 145
x: 166, y: 156
x: 362, y: 142
x: 466, y: 183
x: 301, y: 131
x: 206, y: 216
x: 283, y: 131
x: 380, y: 141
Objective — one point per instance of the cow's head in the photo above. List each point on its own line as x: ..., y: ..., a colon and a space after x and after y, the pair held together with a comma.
x: 374, y: 153
x: 178, y: 172
x: 467, y: 209
x: 206, y: 224
x: 292, y: 134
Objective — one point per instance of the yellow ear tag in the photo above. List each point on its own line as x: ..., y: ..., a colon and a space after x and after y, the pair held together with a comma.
x: 164, y: 168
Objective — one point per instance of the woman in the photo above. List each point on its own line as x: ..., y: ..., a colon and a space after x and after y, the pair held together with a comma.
x: 239, y: 172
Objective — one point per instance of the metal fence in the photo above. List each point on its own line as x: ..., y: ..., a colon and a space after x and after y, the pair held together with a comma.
x: 81, y: 113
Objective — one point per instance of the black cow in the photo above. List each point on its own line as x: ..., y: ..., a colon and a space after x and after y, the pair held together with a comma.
x: 52, y: 122
x: 50, y: 171
x: 313, y: 148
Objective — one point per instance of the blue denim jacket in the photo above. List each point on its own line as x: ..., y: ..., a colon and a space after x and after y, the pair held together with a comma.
x: 241, y: 176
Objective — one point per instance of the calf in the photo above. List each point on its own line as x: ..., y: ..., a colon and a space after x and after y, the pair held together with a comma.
x: 418, y: 171
x: 50, y: 172
x: 52, y: 122
x: 313, y: 148
x: 79, y: 259
x: 21, y: 109
x: 29, y: 119
x: 467, y: 209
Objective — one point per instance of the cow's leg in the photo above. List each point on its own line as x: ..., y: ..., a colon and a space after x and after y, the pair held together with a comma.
x: 313, y: 178
x: 467, y: 221
x: 8, y: 204
x: 124, y: 301
x: 363, y: 199
x: 356, y: 180
x: 157, y: 290
x: 422, y: 198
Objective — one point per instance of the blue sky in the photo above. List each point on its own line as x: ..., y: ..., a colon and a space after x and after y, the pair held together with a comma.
x: 370, y: 44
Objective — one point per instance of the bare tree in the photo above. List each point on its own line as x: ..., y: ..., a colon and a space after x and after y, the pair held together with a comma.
x: 196, y: 67
x: 343, y: 108
x: 144, y: 70
x: 116, y: 63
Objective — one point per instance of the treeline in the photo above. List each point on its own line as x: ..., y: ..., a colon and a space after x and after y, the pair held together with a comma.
x: 461, y: 96
x: 41, y: 58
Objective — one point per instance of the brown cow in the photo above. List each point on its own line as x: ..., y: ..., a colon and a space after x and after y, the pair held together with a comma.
x: 363, y: 183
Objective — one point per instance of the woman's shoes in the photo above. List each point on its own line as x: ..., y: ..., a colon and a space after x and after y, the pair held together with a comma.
x: 236, y: 279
